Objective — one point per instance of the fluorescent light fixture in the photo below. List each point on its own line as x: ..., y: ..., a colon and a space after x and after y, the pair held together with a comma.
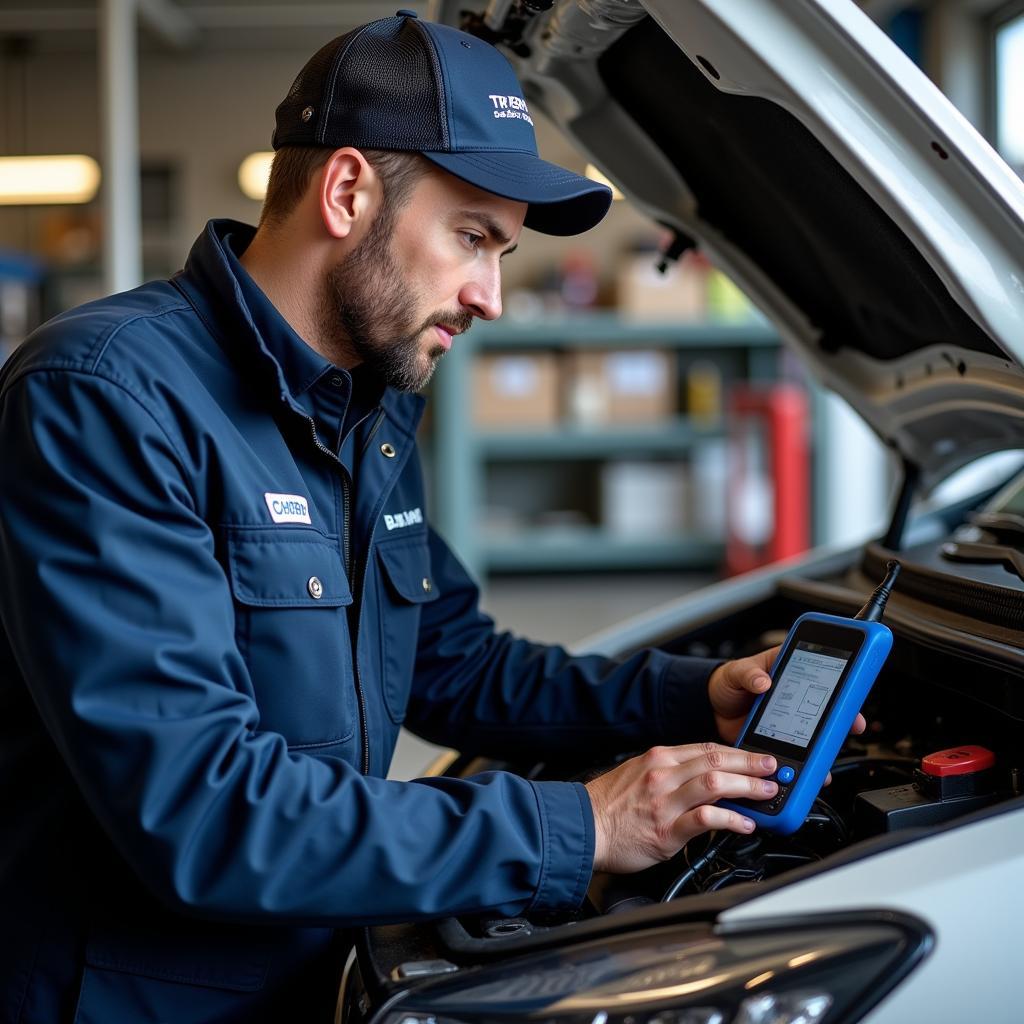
x: 43, y: 180
x: 595, y: 175
x: 254, y: 173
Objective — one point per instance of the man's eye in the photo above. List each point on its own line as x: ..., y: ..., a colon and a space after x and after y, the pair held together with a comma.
x: 472, y: 238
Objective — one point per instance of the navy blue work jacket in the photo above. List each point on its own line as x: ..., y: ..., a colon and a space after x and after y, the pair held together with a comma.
x: 212, y: 628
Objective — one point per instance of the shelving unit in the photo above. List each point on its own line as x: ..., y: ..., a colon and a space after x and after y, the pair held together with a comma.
x: 461, y: 452
x: 551, y: 548
x: 585, y: 442
x: 20, y: 284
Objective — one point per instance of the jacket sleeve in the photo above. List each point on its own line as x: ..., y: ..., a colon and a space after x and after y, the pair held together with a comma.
x: 504, y: 691
x: 122, y: 625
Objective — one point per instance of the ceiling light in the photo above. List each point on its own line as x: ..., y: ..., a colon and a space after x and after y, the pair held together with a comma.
x: 253, y: 174
x: 595, y: 175
x: 39, y: 180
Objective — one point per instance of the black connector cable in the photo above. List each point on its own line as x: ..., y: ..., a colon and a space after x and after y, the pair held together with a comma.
x: 701, y: 862
x: 875, y: 605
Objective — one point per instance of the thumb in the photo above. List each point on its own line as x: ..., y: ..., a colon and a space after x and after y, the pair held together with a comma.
x: 750, y: 675
x: 759, y: 679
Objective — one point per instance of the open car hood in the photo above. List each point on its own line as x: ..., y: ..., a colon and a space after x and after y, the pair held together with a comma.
x: 821, y: 169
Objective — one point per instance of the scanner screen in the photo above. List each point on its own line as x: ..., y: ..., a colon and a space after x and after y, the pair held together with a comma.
x: 801, y: 694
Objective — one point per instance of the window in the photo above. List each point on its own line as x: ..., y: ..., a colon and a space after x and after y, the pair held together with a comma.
x: 1009, y: 89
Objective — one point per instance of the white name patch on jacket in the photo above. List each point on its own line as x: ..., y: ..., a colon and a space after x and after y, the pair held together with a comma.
x: 287, y: 508
x: 411, y: 518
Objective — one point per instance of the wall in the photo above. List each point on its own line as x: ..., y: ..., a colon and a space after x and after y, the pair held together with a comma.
x: 205, y: 112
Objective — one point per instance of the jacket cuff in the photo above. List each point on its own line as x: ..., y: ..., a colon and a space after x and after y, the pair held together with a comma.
x: 567, y: 835
x: 686, y: 715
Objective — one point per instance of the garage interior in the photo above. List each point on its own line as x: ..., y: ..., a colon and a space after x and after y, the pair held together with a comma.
x: 615, y: 440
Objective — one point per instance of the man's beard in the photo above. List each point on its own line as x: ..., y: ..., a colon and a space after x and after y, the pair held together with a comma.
x: 367, y: 308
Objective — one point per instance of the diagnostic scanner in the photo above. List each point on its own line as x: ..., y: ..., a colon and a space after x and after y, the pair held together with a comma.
x: 820, y: 679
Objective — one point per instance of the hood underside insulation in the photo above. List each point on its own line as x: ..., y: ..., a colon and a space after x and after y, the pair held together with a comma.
x: 763, y: 180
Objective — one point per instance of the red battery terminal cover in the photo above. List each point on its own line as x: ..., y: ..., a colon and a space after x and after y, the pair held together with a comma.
x: 957, y: 761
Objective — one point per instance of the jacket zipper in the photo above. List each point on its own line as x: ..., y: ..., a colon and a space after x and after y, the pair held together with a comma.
x: 346, y: 554
x: 373, y: 526
x: 373, y: 430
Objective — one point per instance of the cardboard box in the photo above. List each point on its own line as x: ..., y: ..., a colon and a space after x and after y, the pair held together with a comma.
x: 644, y: 499
x: 643, y: 293
x: 709, y: 470
x: 629, y: 386
x: 511, y: 391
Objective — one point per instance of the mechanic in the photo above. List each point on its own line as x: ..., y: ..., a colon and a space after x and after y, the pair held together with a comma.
x: 220, y: 595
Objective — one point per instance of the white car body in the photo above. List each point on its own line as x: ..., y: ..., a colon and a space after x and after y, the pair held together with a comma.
x: 965, y: 885
x: 887, y: 124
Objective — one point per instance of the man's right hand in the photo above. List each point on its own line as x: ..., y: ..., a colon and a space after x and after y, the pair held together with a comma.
x: 647, y: 808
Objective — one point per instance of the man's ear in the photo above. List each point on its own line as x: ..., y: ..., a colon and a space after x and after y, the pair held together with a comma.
x: 350, y: 191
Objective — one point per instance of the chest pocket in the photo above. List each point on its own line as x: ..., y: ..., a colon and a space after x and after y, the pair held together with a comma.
x: 290, y: 594
x: 404, y: 585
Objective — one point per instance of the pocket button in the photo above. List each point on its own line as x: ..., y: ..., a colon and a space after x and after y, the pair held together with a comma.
x: 315, y: 587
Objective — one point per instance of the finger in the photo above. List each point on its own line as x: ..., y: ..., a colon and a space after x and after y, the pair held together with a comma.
x: 828, y: 780
x: 695, y: 758
x: 859, y: 725
x: 706, y: 818
x: 710, y: 787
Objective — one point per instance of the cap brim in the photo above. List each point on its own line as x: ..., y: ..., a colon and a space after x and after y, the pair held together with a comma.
x: 561, y: 203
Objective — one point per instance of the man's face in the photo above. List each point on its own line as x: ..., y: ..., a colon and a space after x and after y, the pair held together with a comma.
x: 420, y: 276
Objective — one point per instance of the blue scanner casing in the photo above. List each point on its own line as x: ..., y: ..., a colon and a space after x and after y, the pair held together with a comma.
x: 788, y: 810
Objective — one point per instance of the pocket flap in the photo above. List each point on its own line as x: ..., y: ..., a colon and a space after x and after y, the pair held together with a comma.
x: 406, y: 567
x: 286, y: 568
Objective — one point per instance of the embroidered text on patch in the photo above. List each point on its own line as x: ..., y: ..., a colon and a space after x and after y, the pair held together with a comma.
x: 287, y: 508
x: 410, y: 518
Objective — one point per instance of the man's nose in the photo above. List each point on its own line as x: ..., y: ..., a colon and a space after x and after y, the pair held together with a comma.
x: 481, y: 295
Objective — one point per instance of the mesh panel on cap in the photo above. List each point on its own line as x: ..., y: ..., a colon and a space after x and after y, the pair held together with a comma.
x: 306, y: 91
x: 377, y: 87
x: 387, y: 91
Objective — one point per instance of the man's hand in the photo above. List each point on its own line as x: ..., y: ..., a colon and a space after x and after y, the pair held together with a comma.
x: 647, y: 808
x: 733, y: 687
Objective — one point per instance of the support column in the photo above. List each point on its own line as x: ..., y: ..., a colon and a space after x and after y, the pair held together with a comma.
x: 122, y: 219
x: 854, y: 474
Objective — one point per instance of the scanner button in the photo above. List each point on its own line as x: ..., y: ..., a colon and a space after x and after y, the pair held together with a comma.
x: 785, y: 775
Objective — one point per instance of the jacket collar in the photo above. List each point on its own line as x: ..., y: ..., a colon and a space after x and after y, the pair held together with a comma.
x: 260, y: 342
x: 301, y: 366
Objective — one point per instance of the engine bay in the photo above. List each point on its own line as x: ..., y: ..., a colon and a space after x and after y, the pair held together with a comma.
x: 944, y: 740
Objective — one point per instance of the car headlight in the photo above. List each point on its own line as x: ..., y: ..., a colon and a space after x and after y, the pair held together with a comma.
x: 814, y: 972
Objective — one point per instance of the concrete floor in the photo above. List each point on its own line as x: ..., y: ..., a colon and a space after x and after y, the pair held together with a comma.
x: 556, y: 609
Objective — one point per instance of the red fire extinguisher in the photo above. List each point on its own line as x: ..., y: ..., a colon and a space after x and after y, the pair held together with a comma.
x: 769, y: 476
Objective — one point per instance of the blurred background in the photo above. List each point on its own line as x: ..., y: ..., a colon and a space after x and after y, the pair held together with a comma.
x: 620, y: 437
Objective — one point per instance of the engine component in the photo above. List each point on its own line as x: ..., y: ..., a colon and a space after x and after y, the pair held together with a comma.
x: 578, y: 31
x: 956, y: 772
x: 948, y: 784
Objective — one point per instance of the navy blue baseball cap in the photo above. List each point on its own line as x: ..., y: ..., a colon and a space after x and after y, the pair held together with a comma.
x: 402, y: 83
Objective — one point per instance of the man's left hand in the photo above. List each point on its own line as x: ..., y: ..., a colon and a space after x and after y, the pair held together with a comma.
x: 733, y: 687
